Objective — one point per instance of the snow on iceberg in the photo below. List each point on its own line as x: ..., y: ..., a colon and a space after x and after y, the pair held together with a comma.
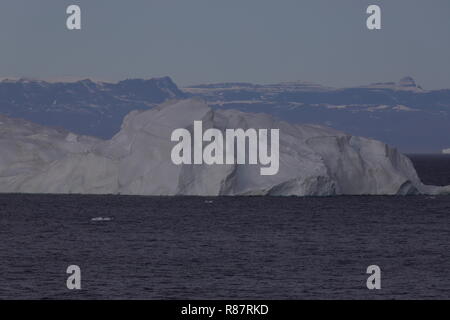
x: 314, y: 160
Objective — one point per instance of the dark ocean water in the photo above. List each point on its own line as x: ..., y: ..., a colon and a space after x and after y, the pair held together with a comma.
x: 236, y: 248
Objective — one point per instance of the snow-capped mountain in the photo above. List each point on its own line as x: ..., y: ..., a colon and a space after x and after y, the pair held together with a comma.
x: 314, y: 160
x: 401, y: 114
x: 84, y: 107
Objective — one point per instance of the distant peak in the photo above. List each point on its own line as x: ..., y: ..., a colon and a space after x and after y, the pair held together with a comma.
x: 24, y: 79
x: 407, y: 82
x: 86, y: 81
x: 154, y: 80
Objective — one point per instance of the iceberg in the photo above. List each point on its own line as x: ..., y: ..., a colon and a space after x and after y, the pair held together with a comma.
x: 446, y: 151
x: 313, y: 160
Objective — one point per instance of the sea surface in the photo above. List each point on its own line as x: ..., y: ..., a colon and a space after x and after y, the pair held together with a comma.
x: 228, y: 247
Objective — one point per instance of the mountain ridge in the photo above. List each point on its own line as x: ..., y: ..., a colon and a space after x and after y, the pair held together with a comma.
x: 83, y: 106
x: 391, y: 111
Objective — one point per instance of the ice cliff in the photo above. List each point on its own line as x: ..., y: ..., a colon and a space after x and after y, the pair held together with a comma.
x: 314, y: 160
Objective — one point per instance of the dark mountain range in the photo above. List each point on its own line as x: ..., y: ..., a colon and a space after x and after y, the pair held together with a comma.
x: 401, y: 114
x: 85, y: 107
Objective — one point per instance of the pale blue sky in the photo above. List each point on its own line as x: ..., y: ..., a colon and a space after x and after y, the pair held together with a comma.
x: 196, y: 41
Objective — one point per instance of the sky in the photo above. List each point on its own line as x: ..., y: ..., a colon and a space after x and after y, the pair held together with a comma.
x: 205, y: 41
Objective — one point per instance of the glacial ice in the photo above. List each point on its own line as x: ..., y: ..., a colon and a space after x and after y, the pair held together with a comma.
x: 314, y: 160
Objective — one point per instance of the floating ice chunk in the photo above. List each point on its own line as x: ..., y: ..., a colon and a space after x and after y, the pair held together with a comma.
x: 97, y: 219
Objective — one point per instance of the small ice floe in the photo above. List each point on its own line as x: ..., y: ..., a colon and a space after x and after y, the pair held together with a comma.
x: 209, y: 201
x: 101, y: 219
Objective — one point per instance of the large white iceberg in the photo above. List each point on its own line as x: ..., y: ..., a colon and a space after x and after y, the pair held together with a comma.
x: 314, y: 160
